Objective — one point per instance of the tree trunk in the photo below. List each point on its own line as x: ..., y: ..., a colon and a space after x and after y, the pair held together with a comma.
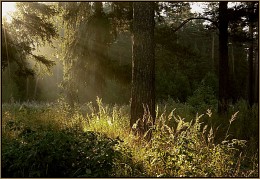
x: 250, y: 60
x: 143, y: 68
x: 233, y: 59
x: 250, y: 68
x: 99, y: 50
x: 223, y: 58
x: 212, y: 51
x: 257, y: 76
x: 257, y: 67
x: 257, y: 63
x: 35, y: 88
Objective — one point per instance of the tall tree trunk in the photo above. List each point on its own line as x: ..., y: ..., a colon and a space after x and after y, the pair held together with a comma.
x: 257, y: 76
x: 35, y: 88
x: 8, y: 62
x: 223, y: 58
x: 143, y: 68
x: 250, y: 60
x: 212, y: 51
x: 257, y: 62
x: 99, y: 50
x: 251, y: 68
x: 257, y: 67
x: 27, y: 88
x: 233, y: 59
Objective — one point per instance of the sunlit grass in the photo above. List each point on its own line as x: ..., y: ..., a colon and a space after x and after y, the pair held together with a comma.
x: 179, y: 147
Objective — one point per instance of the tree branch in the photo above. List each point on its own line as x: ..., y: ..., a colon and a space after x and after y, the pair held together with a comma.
x: 192, y: 18
x: 39, y: 58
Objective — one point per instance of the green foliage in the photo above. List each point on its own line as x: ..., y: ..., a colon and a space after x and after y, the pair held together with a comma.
x: 23, y: 35
x: 15, y: 50
x: 55, y: 140
x: 42, y: 146
x: 188, y: 150
x: 203, y: 98
x: 31, y: 27
x: 184, y: 110
x: 246, y: 125
x: 30, y: 12
x: 174, y: 85
x: 58, y: 154
x: 178, y: 60
x: 86, y: 40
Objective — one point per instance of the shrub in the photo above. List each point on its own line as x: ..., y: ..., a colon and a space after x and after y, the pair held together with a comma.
x: 188, y: 150
x: 43, y: 143
x: 58, y: 154
x: 203, y: 98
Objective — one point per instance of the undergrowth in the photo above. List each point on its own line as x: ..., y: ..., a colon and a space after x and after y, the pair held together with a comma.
x: 54, y: 140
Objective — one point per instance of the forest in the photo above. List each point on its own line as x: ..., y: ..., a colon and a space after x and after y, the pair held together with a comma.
x: 130, y: 89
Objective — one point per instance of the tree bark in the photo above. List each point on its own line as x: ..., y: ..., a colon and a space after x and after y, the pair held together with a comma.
x: 257, y: 64
x: 27, y: 88
x: 99, y: 50
x: 35, y: 88
x: 143, y: 68
x: 213, y: 51
x: 257, y: 75
x: 251, y: 68
x: 233, y: 59
x: 250, y: 59
x: 223, y: 59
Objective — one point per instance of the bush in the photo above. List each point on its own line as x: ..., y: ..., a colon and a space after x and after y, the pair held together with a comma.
x: 58, y: 154
x: 188, y: 150
x: 49, y: 143
x: 203, y: 98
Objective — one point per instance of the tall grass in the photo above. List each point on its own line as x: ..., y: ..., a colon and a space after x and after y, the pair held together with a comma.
x: 90, y: 142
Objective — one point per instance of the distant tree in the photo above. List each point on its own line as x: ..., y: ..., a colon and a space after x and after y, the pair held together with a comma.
x: 223, y: 58
x: 177, y: 53
x: 30, y: 28
x: 91, y: 28
x: 87, y: 37
x: 222, y: 24
x: 143, y: 68
x: 100, y: 45
x: 244, y: 30
x: 252, y: 19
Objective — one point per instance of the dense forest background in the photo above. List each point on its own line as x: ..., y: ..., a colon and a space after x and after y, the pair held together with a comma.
x: 82, y: 52
x: 186, y: 60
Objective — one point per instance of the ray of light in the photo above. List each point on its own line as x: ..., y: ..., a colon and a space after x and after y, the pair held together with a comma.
x: 7, y: 9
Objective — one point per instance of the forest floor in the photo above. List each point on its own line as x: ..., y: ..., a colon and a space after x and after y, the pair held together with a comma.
x: 53, y: 140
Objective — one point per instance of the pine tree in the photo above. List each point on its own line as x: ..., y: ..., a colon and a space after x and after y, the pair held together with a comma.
x: 143, y: 68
